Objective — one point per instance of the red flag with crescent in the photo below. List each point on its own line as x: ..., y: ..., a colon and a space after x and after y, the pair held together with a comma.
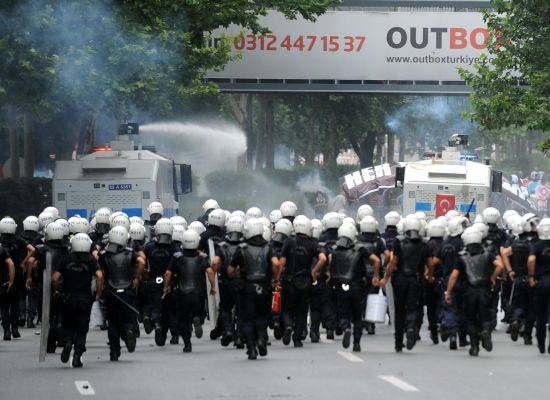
x: 443, y: 204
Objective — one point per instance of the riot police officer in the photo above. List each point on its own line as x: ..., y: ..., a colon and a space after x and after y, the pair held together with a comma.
x: 7, y: 277
x: 159, y: 252
x: 348, y: 273
x: 189, y: 266
x: 410, y: 259
x: 390, y: 232
x: 77, y: 270
x: 295, y: 267
x: 258, y: 266
x: 123, y: 269
x: 538, y: 266
x: 479, y: 269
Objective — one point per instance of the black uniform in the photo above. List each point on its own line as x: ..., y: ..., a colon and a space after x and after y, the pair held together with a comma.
x: 475, y: 264
x: 348, y: 273
x: 5, y: 295
x: 34, y: 295
x: 541, y: 250
x: 299, y: 252
x: 321, y: 306
x: 522, y: 304
x: 77, y: 271
x: 58, y: 250
x: 158, y: 309
x: 254, y: 261
x: 329, y: 238
x: 189, y: 266
x: 496, y: 239
x: 229, y: 286
x: 17, y: 249
x: 119, y: 264
x: 431, y: 294
x: 413, y: 255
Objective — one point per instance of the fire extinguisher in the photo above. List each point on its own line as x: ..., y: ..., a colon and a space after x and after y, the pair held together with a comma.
x: 276, y: 303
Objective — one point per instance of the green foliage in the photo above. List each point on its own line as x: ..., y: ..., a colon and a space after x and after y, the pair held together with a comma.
x: 519, y: 48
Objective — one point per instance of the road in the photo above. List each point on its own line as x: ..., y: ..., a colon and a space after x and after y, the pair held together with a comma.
x: 316, y: 371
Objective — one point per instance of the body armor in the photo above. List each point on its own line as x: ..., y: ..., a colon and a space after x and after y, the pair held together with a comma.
x: 159, y: 259
x: 120, y: 270
x: 345, y: 265
x: 229, y: 251
x: 256, y: 264
x: 190, y: 271
x: 478, y: 271
x: 411, y: 257
x: 520, y: 254
x: 371, y: 247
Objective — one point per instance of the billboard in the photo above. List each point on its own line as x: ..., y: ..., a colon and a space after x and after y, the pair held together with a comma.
x: 357, y: 45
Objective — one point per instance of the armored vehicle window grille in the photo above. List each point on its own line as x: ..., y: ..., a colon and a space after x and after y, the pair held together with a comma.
x: 79, y: 199
x: 123, y: 198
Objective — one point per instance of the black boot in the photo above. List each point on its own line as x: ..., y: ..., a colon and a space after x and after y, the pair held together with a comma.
x: 474, y: 351
x: 463, y: 341
x: 434, y: 336
x: 66, y: 353
x: 77, y: 360
x: 214, y: 333
x: 356, y: 347
x: 346, y: 339
x: 160, y: 339
x: 452, y: 343
x: 227, y: 338
x: 411, y: 338
x: 444, y: 333
x: 197, y: 326
x: 7, y: 333
x: 239, y: 343
x: 514, y: 331
x: 527, y: 339
x: 314, y: 336
x: 330, y: 334
x: 187, y: 348
x: 287, y: 336
x: 114, y: 354
x: 486, y: 340
x: 262, y: 346
x: 30, y: 323
x: 130, y: 341
x: 277, y: 330
x: 252, y: 353
x: 15, y: 332
x: 147, y: 325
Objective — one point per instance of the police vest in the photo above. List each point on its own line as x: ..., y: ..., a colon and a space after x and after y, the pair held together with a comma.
x: 346, y: 264
x: 256, y: 266
x: 229, y: 250
x: 478, y: 269
x: 190, y: 271
x: 120, y: 270
x: 159, y: 258
x: 412, y: 262
x: 367, y: 264
x: 520, y: 254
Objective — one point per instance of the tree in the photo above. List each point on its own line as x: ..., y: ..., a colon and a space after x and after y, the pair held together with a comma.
x: 512, y: 83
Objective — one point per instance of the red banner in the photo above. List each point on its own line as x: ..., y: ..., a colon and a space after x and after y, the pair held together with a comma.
x: 443, y: 204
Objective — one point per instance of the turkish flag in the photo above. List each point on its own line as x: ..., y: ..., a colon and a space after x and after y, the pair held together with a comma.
x: 443, y: 204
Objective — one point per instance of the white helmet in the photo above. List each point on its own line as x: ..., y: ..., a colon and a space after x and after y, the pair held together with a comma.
x: 482, y: 227
x: 479, y: 218
x: 137, y: 231
x: 253, y: 227
x: 288, y: 209
x: 332, y: 220
x: 471, y: 235
x: 239, y: 213
x: 316, y: 228
x: 507, y: 214
x: 266, y: 234
x: 284, y: 226
x: 543, y: 229
x: 155, y: 208
x: 227, y: 215
x: 436, y: 229
x: 253, y: 212
x: 80, y: 225
x: 392, y: 218
x: 217, y: 218
x: 81, y: 243
x: 399, y: 226
x: 136, y: 220
x: 177, y: 233
x: 302, y: 225
x: 456, y: 225
x: 103, y: 216
x: 45, y: 218
x: 348, y: 231
x: 209, y: 205
x: 31, y: 223
x: 411, y: 224
x: 190, y: 239
x: 93, y: 224
x: 235, y: 224
x: 179, y: 220
x: 275, y: 216
x: 368, y: 224
x: 451, y: 214
x: 490, y: 215
x: 66, y: 227
x: 266, y: 222
x: 363, y: 211
x: 118, y: 235
x: 54, y: 231
x: 420, y: 215
x: 197, y: 226
x: 348, y: 220
x: 164, y: 227
x: 530, y: 222
x: 120, y: 220
x: 516, y: 225
x: 116, y: 214
x: 8, y: 225
x: 54, y: 211
x: 443, y: 219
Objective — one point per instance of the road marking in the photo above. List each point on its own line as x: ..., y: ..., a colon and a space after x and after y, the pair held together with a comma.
x: 398, y: 383
x: 350, y: 356
x: 84, y: 388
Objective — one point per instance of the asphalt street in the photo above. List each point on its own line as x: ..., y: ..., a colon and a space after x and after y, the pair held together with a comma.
x: 316, y: 371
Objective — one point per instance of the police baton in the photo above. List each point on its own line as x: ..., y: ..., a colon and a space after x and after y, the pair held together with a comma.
x: 512, y: 293
x: 124, y: 302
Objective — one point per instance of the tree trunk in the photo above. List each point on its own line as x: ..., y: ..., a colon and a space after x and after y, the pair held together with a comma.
x: 310, y: 150
x: 391, y: 147
x: 402, y: 145
x: 366, y: 153
x: 90, y: 129
x: 380, y: 140
x: 269, y: 141
x: 14, y: 142
x: 28, y: 144
x: 260, y: 134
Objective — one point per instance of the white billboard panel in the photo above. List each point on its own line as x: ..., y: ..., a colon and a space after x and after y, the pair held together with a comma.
x: 355, y: 45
